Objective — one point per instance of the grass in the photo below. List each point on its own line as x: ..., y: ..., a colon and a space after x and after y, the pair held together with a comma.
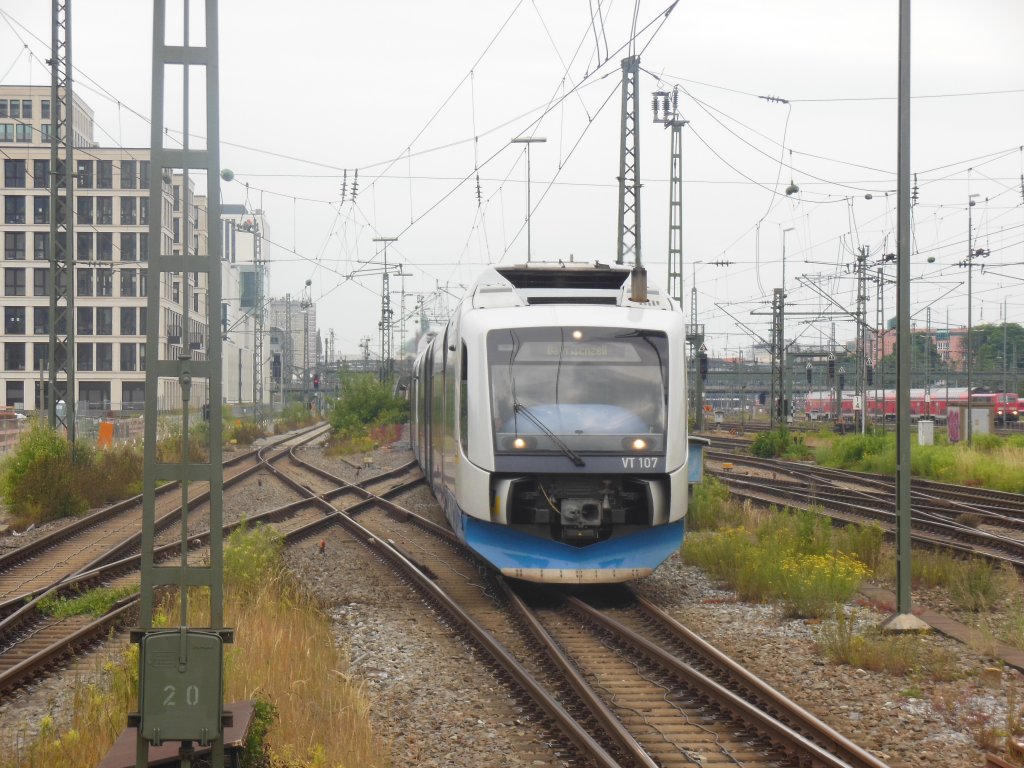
x: 992, y: 462
x: 94, y: 602
x: 900, y: 654
x: 793, y: 557
x: 310, y: 712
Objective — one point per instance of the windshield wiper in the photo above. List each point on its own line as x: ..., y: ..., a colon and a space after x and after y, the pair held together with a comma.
x: 520, y: 408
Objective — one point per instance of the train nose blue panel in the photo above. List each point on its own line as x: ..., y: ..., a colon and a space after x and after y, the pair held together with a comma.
x: 531, y: 557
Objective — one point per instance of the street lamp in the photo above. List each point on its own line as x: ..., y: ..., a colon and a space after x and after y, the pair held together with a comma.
x: 528, y: 140
x: 969, y: 263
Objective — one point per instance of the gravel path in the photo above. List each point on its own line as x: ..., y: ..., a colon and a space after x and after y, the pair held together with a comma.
x: 434, y: 706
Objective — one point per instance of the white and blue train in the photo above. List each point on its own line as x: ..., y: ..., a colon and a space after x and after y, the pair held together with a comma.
x: 550, y: 420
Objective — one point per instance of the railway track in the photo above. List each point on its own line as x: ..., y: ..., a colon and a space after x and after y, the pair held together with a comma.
x: 112, y: 532
x: 31, y: 640
x: 963, y: 520
x: 610, y: 706
x: 610, y: 685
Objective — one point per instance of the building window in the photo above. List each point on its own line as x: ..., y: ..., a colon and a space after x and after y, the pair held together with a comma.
x: 104, y: 210
x: 14, y: 209
x: 14, y: 356
x: 26, y: 109
x: 23, y: 133
x: 176, y: 195
x: 128, y: 359
x: 3, y: 107
x: 104, y: 174
x: 41, y: 209
x: 84, y: 282
x: 104, y: 321
x: 84, y: 249
x: 40, y: 356
x: 129, y: 284
x: 6, y: 132
x: 143, y: 210
x: 144, y: 174
x: 142, y: 320
x: 15, y: 394
x: 14, y: 281
x: 143, y: 246
x: 105, y: 282
x: 40, y: 320
x: 62, y: 210
x: 85, y: 174
x: 105, y: 246
x: 128, y: 216
x: 14, y: 245
x: 143, y: 285
x: 44, y: 133
x: 84, y: 326
x: 127, y: 174
x: 84, y: 357
x: 128, y: 246
x: 85, y: 210
x: 14, y: 320
x: 41, y: 174
x: 177, y: 231
x: 41, y: 282
x: 15, y: 108
x: 41, y: 246
x: 44, y: 109
x: 128, y: 326
x: 105, y: 356
x: 176, y: 293
x: 14, y: 173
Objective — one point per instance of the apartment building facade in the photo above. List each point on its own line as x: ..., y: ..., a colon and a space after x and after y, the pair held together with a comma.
x: 111, y: 210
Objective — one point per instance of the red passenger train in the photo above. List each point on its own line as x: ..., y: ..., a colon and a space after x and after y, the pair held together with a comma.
x: 929, y: 403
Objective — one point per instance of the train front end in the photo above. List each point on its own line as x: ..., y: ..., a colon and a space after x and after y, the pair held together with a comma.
x: 575, y: 440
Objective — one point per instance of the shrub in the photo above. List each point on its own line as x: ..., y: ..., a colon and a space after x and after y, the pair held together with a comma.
x: 252, y: 560
x: 711, y: 506
x: 779, y: 443
x: 243, y: 432
x: 789, y: 556
x: 114, y: 473
x: 38, y: 478
x: 863, y: 542
x: 367, y: 401
x: 294, y: 416
x: 813, y: 584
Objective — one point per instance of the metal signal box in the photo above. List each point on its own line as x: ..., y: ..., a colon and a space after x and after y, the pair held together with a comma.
x: 181, y: 686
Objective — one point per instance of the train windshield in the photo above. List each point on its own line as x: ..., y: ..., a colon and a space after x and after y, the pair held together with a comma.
x: 578, y: 388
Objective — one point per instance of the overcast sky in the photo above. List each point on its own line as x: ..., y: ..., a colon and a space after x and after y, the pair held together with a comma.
x: 424, y: 97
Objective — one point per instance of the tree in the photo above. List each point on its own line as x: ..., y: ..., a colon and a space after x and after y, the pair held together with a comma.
x: 925, y: 363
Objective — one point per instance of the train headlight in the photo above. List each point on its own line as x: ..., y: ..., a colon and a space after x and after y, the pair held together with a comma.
x: 577, y: 335
x: 519, y: 443
x: 635, y: 444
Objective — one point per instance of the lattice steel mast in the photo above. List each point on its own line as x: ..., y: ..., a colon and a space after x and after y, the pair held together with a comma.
x: 181, y: 696
x: 629, y: 164
x: 61, y: 351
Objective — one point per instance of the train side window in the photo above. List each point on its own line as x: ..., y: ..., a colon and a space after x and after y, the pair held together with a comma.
x: 464, y: 399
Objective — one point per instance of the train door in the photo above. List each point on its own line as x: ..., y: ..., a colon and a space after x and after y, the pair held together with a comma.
x: 423, y: 390
x: 436, y: 414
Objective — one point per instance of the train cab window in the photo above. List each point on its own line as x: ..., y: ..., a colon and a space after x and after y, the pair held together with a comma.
x: 600, y: 389
x: 464, y: 399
